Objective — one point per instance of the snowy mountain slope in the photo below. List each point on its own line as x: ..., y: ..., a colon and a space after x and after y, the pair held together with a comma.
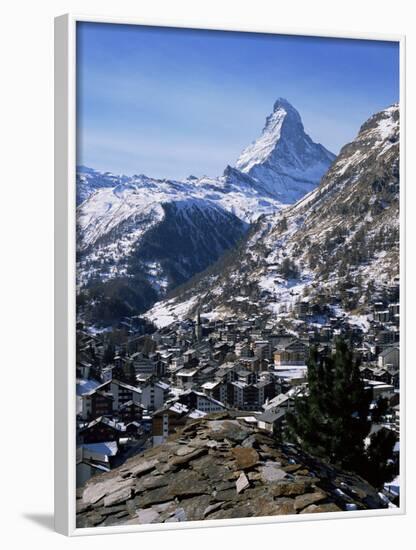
x: 167, y: 234
x: 341, y: 239
x: 284, y: 159
x: 89, y: 180
x: 165, y: 231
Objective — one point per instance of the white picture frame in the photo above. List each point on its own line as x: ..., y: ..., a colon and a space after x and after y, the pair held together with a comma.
x: 65, y: 264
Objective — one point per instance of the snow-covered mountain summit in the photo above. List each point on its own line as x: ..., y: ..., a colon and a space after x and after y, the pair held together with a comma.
x: 284, y: 159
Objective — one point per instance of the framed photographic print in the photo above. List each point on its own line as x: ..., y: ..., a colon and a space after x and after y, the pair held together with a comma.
x: 229, y: 213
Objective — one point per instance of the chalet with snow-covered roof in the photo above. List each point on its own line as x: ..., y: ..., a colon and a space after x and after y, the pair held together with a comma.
x: 198, y: 400
x: 97, y: 402
x: 123, y: 392
x: 130, y: 412
x: 101, y: 429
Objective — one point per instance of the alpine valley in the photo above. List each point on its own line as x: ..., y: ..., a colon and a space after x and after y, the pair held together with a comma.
x: 238, y: 337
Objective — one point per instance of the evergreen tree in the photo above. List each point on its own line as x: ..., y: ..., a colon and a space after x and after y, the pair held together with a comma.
x: 331, y: 421
x: 379, y: 466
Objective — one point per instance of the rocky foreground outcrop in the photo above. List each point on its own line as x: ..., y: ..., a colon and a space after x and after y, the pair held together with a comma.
x: 219, y: 467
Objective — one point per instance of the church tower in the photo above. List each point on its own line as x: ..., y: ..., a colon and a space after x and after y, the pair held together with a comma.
x: 198, y: 326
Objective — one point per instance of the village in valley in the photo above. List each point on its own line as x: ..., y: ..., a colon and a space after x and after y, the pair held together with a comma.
x: 137, y: 384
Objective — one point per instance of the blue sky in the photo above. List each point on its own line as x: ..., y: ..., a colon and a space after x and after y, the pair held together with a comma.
x: 174, y: 102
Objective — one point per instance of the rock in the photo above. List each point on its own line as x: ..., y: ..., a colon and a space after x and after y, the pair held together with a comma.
x: 321, y: 508
x: 186, y: 484
x: 163, y: 468
x: 236, y: 510
x: 93, y: 493
x: 96, y: 491
x: 284, y: 506
x: 155, y: 496
x: 184, y: 451
x: 211, y: 508
x: 249, y: 441
x: 177, y: 515
x: 309, y: 498
x: 95, y: 518
x: 181, y: 460
x: 224, y: 485
x: 82, y: 506
x: 266, y: 449
x: 290, y: 468
x: 148, y: 516
x: 118, y: 496
x: 289, y: 488
x: 228, y: 429
x: 150, y: 482
x: 226, y: 494
x: 262, y: 439
x: 215, y: 472
x: 116, y: 509
x: 245, y: 457
x: 272, y: 472
x: 242, y: 483
x: 143, y: 467
x: 195, y: 507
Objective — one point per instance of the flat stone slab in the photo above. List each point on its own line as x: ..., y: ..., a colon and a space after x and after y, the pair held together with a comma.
x: 242, y: 483
x: 289, y: 488
x: 143, y: 467
x: 180, y: 460
x: 321, y: 508
x: 271, y: 472
x: 148, y: 516
x: 245, y: 457
x: 118, y: 496
x: 184, y: 450
x: 96, y: 491
x: 309, y: 498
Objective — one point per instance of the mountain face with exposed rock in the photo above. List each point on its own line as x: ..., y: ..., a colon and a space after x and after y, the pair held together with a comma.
x: 219, y: 467
x: 160, y: 233
x: 284, y: 160
x: 342, y: 234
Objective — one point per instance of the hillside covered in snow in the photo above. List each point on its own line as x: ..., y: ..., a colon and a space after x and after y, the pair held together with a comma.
x: 156, y: 234
x: 337, y: 245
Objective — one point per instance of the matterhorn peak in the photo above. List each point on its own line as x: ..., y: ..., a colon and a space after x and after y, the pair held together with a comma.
x: 282, y: 104
x: 284, y: 159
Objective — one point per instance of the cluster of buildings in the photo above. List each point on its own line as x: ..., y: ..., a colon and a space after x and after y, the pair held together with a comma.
x: 134, y: 394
